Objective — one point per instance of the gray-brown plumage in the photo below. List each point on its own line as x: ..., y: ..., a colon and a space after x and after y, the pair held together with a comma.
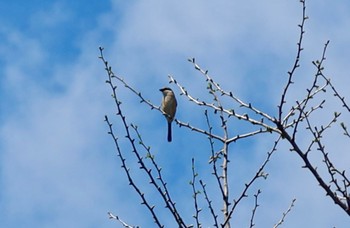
x: 168, y: 106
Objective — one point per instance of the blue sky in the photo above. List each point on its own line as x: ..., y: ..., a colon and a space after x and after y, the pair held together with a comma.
x: 58, y: 165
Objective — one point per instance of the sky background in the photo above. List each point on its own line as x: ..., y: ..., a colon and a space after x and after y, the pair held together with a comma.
x: 58, y: 165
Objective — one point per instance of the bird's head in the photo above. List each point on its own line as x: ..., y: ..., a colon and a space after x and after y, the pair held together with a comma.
x: 166, y: 91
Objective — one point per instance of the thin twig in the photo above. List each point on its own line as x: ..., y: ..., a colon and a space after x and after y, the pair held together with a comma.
x: 112, y: 216
x: 285, y: 214
x: 211, y: 208
x: 195, y: 193
x: 256, y: 205
x: 296, y: 62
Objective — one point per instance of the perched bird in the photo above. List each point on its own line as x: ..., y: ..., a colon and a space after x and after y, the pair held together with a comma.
x: 169, y: 107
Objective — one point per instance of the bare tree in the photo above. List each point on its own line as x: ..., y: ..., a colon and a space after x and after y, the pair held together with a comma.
x: 290, y: 122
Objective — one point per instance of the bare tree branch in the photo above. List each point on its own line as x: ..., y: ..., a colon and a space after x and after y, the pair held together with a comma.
x: 281, y: 221
x: 229, y: 112
x: 111, y: 216
x: 211, y: 208
x: 296, y: 63
x: 195, y: 193
x: 256, y: 205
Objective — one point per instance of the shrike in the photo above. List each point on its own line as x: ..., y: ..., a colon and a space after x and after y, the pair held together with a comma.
x: 169, y: 107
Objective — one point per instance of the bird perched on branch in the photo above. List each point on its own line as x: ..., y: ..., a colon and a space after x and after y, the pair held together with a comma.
x: 168, y: 107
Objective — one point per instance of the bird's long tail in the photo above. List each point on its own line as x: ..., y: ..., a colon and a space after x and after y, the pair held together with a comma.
x: 169, y: 131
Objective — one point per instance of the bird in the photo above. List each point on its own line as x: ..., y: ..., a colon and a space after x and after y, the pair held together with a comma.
x: 168, y: 106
